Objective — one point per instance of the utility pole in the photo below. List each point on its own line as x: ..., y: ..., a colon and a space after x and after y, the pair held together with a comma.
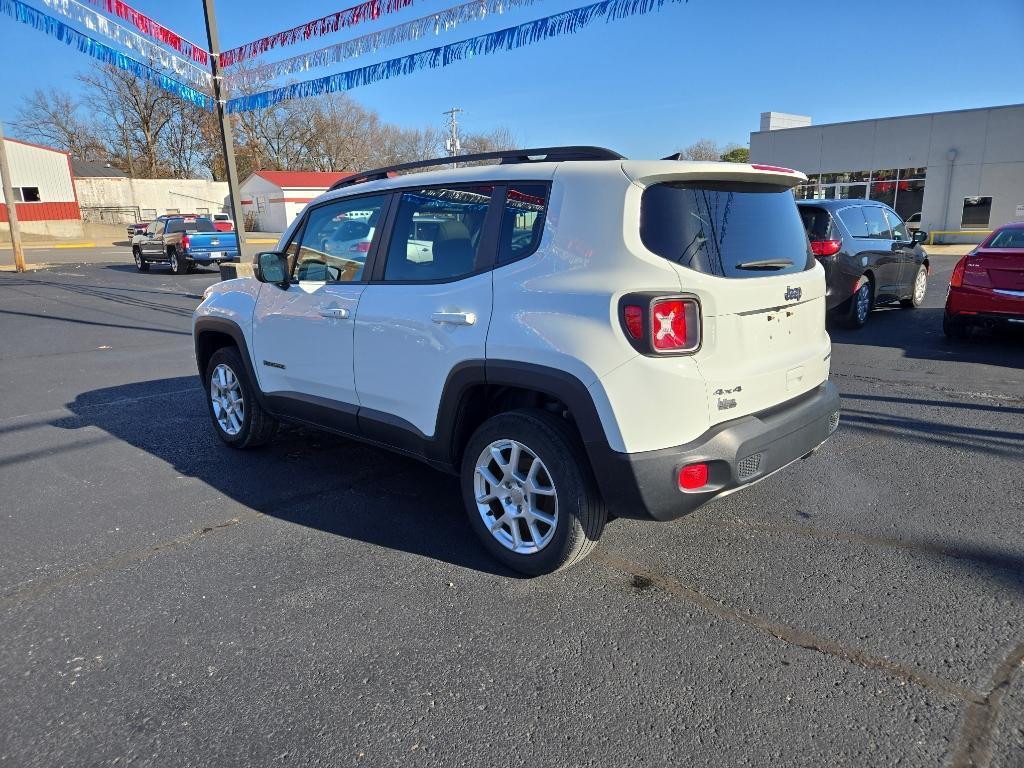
x: 227, y: 144
x: 12, y: 208
x: 453, y: 145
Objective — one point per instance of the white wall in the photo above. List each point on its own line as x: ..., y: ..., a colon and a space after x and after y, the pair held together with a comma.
x: 160, y: 195
x: 257, y: 194
x: 46, y: 169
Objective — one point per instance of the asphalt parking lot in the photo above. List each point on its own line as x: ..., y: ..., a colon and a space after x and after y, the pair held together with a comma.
x: 166, y: 601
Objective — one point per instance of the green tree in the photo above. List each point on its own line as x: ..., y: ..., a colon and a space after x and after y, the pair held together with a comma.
x: 736, y: 154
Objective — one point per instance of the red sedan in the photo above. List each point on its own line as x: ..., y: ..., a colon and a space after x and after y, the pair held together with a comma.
x: 987, y: 287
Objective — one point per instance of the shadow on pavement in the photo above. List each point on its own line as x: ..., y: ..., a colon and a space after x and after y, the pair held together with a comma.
x: 304, y: 477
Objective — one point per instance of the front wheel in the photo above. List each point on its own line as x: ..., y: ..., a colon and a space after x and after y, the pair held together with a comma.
x: 920, y: 287
x: 237, y: 416
x: 140, y: 263
x: 529, y: 492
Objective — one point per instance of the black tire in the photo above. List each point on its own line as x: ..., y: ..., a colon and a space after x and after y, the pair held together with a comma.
x: 140, y: 263
x: 580, y: 513
x: 257, y: 425
x: 915, y: 300
x: 953, y: 328
x: 179, y: 264
x: 860, y: 304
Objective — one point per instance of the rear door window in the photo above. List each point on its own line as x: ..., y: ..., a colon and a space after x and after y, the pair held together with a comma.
x: 853, y: 220
x: 878, y: 227
x: 728, y: 229
x: 523, y: 222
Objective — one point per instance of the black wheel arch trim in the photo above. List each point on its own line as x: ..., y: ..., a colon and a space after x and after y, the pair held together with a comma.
x: 220, y: 325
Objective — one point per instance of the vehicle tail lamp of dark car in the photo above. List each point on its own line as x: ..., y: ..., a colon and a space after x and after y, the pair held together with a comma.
x: 824, y: 248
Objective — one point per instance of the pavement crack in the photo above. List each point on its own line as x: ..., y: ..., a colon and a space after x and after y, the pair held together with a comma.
x: 794, y: 636
x: 974, y: 744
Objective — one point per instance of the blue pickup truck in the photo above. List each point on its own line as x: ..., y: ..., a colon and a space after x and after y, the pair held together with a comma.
x: 181, y: 242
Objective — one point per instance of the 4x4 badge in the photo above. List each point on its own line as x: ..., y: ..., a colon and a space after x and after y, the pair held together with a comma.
x: 793, y: 294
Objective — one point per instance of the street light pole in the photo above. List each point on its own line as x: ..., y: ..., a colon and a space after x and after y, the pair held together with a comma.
x: 11, y: 203
x: 227, y: 144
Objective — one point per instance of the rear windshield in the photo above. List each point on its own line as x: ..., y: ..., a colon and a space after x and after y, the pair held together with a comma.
x: 817, y: 222
x: 1007, y: 238
x: 190, y: 225
x: 728, y: 229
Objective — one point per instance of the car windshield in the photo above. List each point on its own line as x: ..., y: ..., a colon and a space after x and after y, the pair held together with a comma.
x: 728, y: 229
x: 1007, y: 238
x: 190, y: 225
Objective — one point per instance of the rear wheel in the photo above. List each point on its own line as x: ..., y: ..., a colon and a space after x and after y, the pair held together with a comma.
x: 529, y: 492
x: 861, y: 304
x: 140, y: 263
x: 919, y: 288
x: 237, y: 416
x: 179, y: 265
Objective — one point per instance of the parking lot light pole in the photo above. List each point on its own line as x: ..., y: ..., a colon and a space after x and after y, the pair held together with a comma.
x: 11, y: 204
x: 227, y: 144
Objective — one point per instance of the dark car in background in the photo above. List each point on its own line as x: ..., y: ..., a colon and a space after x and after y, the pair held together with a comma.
x: 137, y: 228
x: 987, y: 286
x: 869, y: 255
x: 183, y: 242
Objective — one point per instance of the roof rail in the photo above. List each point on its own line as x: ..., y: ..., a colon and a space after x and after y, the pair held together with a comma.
x: 507, y: 157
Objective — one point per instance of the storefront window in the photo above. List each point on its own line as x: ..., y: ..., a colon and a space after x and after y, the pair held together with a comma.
x: 976, y: 212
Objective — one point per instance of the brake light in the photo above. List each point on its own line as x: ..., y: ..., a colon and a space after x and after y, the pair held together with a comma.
x: 634, y: 319
x: 693, y: 476
x: 825, y: 247
x: 777, y: 168
x: 958, y: 273
x: 363, y: 247
x: 675, y: 325
x: 185, y: 242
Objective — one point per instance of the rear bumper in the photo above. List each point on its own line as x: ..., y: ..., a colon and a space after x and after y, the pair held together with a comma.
x: 200, y: 258
x: 738, y: 453
x: 973, y: 301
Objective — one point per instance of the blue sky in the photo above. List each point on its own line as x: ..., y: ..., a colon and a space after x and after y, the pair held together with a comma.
x: 645, y: 86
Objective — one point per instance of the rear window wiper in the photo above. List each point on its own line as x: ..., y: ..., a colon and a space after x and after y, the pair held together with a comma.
x: 765, y: 264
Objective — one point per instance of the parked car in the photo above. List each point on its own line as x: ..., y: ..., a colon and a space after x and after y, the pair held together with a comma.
x: 137, y: 228
x: 181, y: 242
x: 223, y: 222
x: 658, y: 343
x: 869, y: 256
x: 987, y: 286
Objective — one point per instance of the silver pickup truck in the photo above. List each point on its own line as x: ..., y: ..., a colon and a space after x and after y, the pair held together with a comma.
x: 181, y: 242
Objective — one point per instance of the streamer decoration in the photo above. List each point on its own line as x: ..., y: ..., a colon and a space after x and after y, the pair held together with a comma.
x: 435, y: 23
x: 510, y: 38
x: 154, y: 29
x: 55, y: 28
x: 97, y: 23
x: 366, y: 11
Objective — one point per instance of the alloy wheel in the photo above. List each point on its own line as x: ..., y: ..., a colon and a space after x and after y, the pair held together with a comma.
x: 174, y: 262
x: 138, y: 259
x: 227, y: 401
x: 863, y: 303
x: 920, y: 286
x: 515, y: 496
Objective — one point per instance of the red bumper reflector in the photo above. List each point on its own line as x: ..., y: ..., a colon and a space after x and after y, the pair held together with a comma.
x: 693, y: 476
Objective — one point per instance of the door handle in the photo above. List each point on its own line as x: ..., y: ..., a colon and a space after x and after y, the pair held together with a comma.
x: 454, y: 318
x: 335, y: 313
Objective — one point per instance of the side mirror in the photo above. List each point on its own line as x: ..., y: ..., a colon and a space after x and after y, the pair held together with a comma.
x: 272, y: 267
x: 919, y: 237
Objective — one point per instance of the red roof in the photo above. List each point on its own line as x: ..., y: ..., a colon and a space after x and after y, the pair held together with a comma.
x: 302, y: 179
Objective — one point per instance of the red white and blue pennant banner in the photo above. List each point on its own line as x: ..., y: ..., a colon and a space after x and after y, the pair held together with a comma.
x: 97, y: 23
x: 367, y: 11
x: 48, y: 25
x: 154, y: 29
x: 510, y: 38
x: 416, y: 29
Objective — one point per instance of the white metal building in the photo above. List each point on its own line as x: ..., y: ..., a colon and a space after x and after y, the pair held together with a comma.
x: 272, y: 199
x: 962, y: 171
x: 43, y: 190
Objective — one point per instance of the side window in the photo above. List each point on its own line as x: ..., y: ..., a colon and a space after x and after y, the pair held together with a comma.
x: 853, y: 219
x: 335, y: 239
x: 523, y: 222
x: 156, y: 228
x: 437, y: 233
x: 878, y: 227
x: 899, y: 229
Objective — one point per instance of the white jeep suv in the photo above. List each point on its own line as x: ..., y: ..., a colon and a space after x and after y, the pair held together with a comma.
x: 576, y: 335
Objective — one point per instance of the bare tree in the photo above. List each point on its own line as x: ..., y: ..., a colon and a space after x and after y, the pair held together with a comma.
x: 54, y: 118
x: 702, y: 149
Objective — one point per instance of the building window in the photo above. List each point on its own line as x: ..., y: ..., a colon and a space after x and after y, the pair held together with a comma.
x: 976, y: 212
x: 26, y: 194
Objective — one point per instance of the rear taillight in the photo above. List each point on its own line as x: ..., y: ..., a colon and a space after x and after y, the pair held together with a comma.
x: 363, y: 247
x: 662, y: 325
x: 185, y: 242
x: 825, y: 247
x: 958, y: 273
